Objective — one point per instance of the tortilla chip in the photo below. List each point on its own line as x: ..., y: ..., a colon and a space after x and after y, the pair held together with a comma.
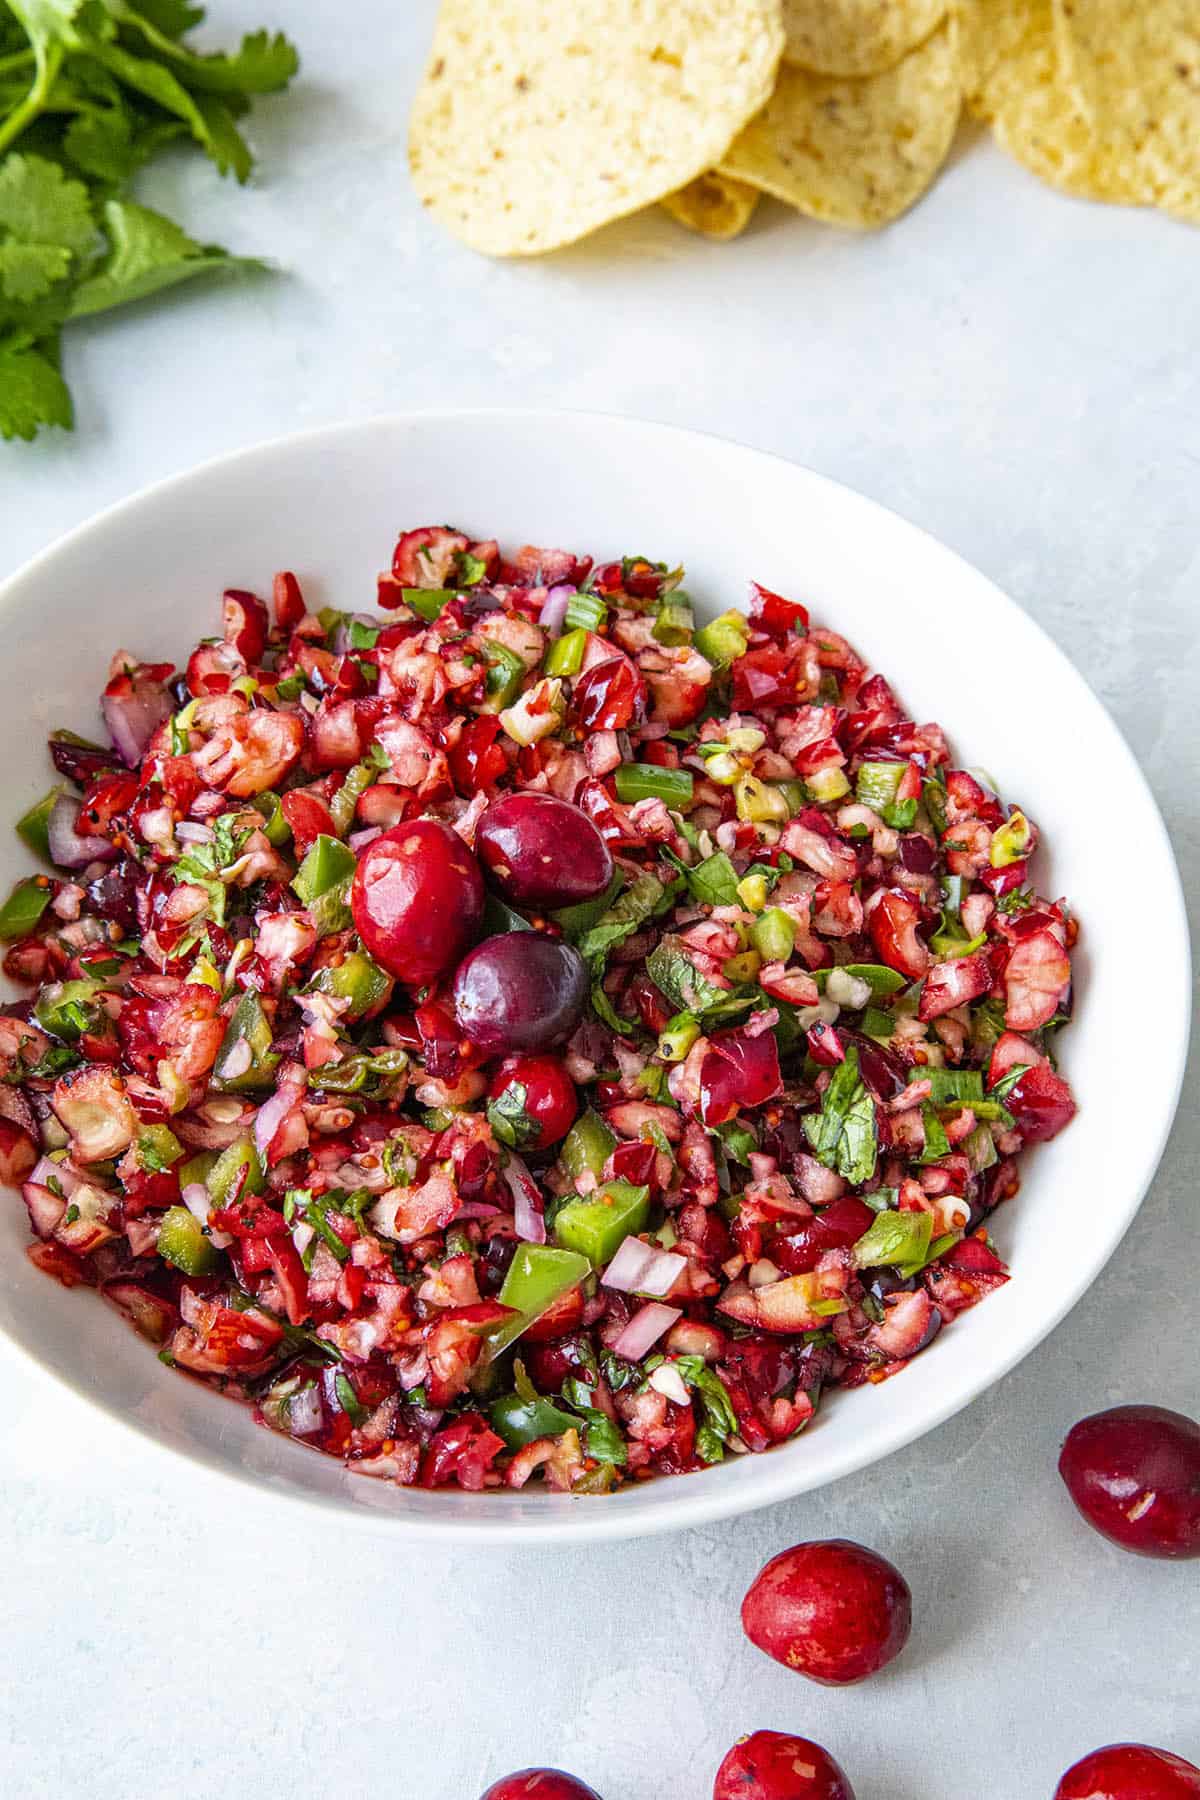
x: 539, y: 121
x: 715, y: 205
x: 855, y: 153
x: 1136, y: 69
x: 856, y: 37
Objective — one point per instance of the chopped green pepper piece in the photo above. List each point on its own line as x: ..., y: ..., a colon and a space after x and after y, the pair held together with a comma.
x: 565, y: 655
x: 357, y: 979
x: 520, y: 1422
x: 277, y: 830
x: 66, y: 1009
x: 678, y: 1036
x: 588, y: 1145
x: 34, y: 826
x: 1010, y: 841
x: 598, y: 1226
x: 341, y: 807
x: 428, y: 603
x: 181, y: 1241
x: 24, y: 907
x: 773, y: 935
x: 646, y: 781
x: 330, y: 911
x: 723, y: 640
x: 158, y: 1148
x: 248, y: 1027
x: 899, y: 1239
x: 197, y: 1168
x: 327, y: 865
x: 223, y: 1177
x: 506, y: 673
x: 881, y: 980
x: 537, y: 1276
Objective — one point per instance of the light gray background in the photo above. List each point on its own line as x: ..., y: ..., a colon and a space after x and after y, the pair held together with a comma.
x: 1014, y: 371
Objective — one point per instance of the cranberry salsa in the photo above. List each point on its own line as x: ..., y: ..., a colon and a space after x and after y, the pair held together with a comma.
x: 527, y: 1033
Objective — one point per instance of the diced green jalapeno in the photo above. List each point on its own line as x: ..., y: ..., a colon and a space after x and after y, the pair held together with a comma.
x: 1010, y: 842
x: 327, y: 865
x: 675, y: 621
x: 224, y: 1175
x: 678, y: 1036
x: 723, y: 640
x: 565, y: 655
x: 521, y: 1422
x: 248, y: 1033
x: 342, y: 806
x: 330, y: 911
x: 34, y: 826
x: 506, y: 672
x: 428, y: 603
x: 762, y: 802
x: 588, y: 1145
x: 158, y: 1148
x: 645, y: 781
x: 66, y: 1009
x: 877, y: 784
x: 197, y: 1168
x: 24, y: 907
x: 881, y: 980
x: 357, y: 979
x: 537, y: 1276
x: 597, y: 1226
x: 181, y: 1241
x: 773, y: 935
x: 828, y: 784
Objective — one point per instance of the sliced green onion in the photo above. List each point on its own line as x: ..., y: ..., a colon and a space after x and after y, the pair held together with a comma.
x: 565, y: 655
x: 723, y: 640
x: 678, y: 1037
x: 674, y: 621
x: 586, y: 612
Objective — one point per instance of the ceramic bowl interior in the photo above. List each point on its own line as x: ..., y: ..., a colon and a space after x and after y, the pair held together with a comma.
x: 147, y: 576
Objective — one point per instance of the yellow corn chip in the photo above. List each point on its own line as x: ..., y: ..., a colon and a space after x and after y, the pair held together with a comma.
x: 854, y: 152
x: 538, y: 121
x: 715, y: 205
x: 856, y: 37
x: 1135, y: 65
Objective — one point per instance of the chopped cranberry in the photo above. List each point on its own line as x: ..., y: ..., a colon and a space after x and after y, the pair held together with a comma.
x: 609, y: 696
x: 539, y: 1088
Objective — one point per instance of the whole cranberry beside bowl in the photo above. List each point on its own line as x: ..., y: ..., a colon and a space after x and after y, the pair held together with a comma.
x: 324, y: 504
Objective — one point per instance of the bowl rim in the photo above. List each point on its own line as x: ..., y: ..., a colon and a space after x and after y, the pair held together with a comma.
x: 685, y: 1502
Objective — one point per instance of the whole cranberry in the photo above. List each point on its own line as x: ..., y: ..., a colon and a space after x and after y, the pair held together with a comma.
x: 769, y: 1765
x: 1130, y: 1772
x: 417, y: 900
x: 539, y: 1784
x: 533, y: 1102
x: 1134, y: 1474
x: 542, y: 851
x: 519, y: 991
x: 833, y: 1611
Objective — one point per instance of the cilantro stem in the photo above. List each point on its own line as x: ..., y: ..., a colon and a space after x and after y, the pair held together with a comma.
x: 18, y: 60
x: 49, y: 62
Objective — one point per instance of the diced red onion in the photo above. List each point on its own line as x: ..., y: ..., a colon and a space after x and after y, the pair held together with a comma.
x: 273, y: 1112
x: 63, y: 1173
x: 189, y: 831
x: 302, y: 1236
x: 475, y: 1209
x: 358, y: 840
x: 238, y: 1061
x: 640, y: 1268
x: 67, y: 848
x: 645, y: 1328
x: 196, y: 1198
x: 44, y: 1206
x: 667, y: 1381
x: 553, y: 615
x: 305, y: 1414
x: 191, y: 1306
x: 528, y: 1217
x: 133, y: 718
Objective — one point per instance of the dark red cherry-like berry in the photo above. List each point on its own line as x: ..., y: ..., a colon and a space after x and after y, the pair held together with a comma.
x: 520, y: 991
x: 417, y: 899
x: 1130, y: 1772
x: 833, y: 1611
x: 1134, y: 1474
x: 539, y: 1784
x: 534, y: 1103
x: 542, y: 851
x: 771, y: 1765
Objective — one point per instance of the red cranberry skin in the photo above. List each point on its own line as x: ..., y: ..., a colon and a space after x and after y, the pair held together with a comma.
x: 539, y: 1784
x: 1130, y: 1772
x: 417, y: 900
x: 1134, y: 1474
x: 519, y: 992
x: 550, y: 1098
x: 542, y: 851
x: 833, y: 1611
x: 838, y: 1227
x: 769, y: 1765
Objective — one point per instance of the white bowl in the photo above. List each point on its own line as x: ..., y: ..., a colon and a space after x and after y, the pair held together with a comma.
x: 147, y: 576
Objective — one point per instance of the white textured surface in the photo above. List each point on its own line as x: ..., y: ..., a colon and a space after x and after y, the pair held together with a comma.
x: 1011, y: 370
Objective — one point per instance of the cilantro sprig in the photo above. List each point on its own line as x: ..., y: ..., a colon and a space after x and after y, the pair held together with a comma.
x: 91, y: 91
